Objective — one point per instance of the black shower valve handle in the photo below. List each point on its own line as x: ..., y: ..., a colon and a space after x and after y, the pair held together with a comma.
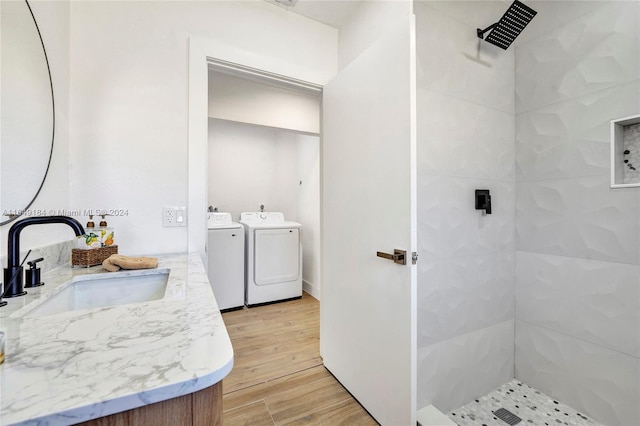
x: 483, y: 200
x: 32, y: 263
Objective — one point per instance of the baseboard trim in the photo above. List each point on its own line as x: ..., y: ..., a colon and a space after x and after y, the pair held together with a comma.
x: 311, y: 289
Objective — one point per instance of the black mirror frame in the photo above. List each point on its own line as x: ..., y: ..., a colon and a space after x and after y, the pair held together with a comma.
x: 53, y: 127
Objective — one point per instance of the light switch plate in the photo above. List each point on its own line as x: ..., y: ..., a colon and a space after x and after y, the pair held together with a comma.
x: 174, y: 216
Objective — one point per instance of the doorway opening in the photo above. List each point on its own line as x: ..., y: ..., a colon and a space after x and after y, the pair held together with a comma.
x: 263, y: 152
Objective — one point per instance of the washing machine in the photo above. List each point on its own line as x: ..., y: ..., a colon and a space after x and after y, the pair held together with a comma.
x: 273, y: 258
x: 225, y: 253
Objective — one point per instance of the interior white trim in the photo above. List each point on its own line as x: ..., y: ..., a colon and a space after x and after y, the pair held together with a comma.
x: 262, y: 76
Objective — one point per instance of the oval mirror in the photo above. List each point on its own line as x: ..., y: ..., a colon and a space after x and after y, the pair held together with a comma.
x: 27, y: 112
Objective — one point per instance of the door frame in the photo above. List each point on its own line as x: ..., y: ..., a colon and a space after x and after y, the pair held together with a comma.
x: 204, y: 53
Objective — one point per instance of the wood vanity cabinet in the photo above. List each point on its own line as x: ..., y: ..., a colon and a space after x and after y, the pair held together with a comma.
x: 202, y: 408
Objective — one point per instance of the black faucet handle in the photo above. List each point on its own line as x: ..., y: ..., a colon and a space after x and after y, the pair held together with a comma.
x: 32, y: 263
x: 33, y: 274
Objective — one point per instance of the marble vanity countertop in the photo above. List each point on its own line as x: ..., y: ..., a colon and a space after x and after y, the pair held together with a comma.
x: 79, y: 365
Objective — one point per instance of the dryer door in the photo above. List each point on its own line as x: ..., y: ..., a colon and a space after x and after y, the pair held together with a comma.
x: 276, y: 256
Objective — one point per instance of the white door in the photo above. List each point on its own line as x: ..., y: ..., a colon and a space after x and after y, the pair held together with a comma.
x: 368, y: 325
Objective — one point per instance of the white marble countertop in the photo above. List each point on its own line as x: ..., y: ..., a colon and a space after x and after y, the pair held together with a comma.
x: 79, y: 365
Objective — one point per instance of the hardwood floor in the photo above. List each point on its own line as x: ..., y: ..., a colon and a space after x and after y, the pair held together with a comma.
x: 278, y: 377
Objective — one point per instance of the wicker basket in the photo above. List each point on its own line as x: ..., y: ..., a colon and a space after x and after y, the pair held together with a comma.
x: 91, y: 257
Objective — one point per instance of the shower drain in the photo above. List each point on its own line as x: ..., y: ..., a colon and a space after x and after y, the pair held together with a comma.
x: 507, y: 416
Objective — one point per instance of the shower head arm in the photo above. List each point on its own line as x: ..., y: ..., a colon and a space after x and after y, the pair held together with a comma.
x: 481, y: 32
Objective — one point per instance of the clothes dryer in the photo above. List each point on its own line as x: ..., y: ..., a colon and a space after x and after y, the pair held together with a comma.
x: 273, y: 257
x: 225, y: 252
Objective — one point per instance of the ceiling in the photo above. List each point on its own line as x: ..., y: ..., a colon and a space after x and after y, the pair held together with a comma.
x: 334, y: 13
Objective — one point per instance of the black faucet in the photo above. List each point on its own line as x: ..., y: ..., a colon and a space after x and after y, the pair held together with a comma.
x: 13, y: 272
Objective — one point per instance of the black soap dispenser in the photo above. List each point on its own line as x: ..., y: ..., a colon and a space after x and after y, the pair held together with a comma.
x: 33, y: 274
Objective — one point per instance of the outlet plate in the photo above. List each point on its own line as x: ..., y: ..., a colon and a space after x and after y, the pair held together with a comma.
x: 174, y: 216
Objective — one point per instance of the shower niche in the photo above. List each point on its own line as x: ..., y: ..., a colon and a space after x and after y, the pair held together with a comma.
x: 625, y: 152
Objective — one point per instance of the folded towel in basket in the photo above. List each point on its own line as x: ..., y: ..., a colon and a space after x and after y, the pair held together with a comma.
x: 114, y: 262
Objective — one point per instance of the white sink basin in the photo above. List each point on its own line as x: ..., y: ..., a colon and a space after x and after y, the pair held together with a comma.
x: 104, y: 290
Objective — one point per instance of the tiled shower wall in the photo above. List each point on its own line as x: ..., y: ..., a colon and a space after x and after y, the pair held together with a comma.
x: 577, y: 240
x: 465, y: 142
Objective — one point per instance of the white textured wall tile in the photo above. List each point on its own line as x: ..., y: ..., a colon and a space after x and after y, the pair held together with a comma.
x: 591, y: 300
x: 449, y: 225
x: 463, y: 294
x: 580, y: 218
x: 600, y: 382
x: 578, y: 327
x: 465, y: 142
x: 572, y: 138
x: 481, y: 14
x: 474, y: 13
x: 553, y: 14
x: 452, y: 60
x: 463, y: 138
x: 454, y: 372
x: 594, y: 52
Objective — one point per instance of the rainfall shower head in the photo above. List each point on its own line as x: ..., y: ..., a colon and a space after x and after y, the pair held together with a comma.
x: 509, y: 26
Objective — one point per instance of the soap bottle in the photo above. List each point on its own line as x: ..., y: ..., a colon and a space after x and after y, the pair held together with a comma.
x: 91, y: 238
x: 106, y: 233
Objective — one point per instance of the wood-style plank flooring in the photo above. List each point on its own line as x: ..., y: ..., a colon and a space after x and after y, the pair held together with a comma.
x: 278, y: 377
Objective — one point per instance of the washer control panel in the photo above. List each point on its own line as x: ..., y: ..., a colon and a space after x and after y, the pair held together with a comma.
x: 218, y: 219
x: 262, y: 217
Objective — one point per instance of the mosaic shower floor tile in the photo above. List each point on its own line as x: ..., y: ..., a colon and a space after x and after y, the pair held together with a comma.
x: 527, y: 403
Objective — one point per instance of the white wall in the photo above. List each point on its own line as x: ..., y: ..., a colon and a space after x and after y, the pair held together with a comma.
x: 129, y: 94
x: 577, y: 240
x: 466, y: 268
x: 254, y: 102
x: 53, y: 20
x: 251, y: 165
x: 308, y: 209
x: 366, y: 23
